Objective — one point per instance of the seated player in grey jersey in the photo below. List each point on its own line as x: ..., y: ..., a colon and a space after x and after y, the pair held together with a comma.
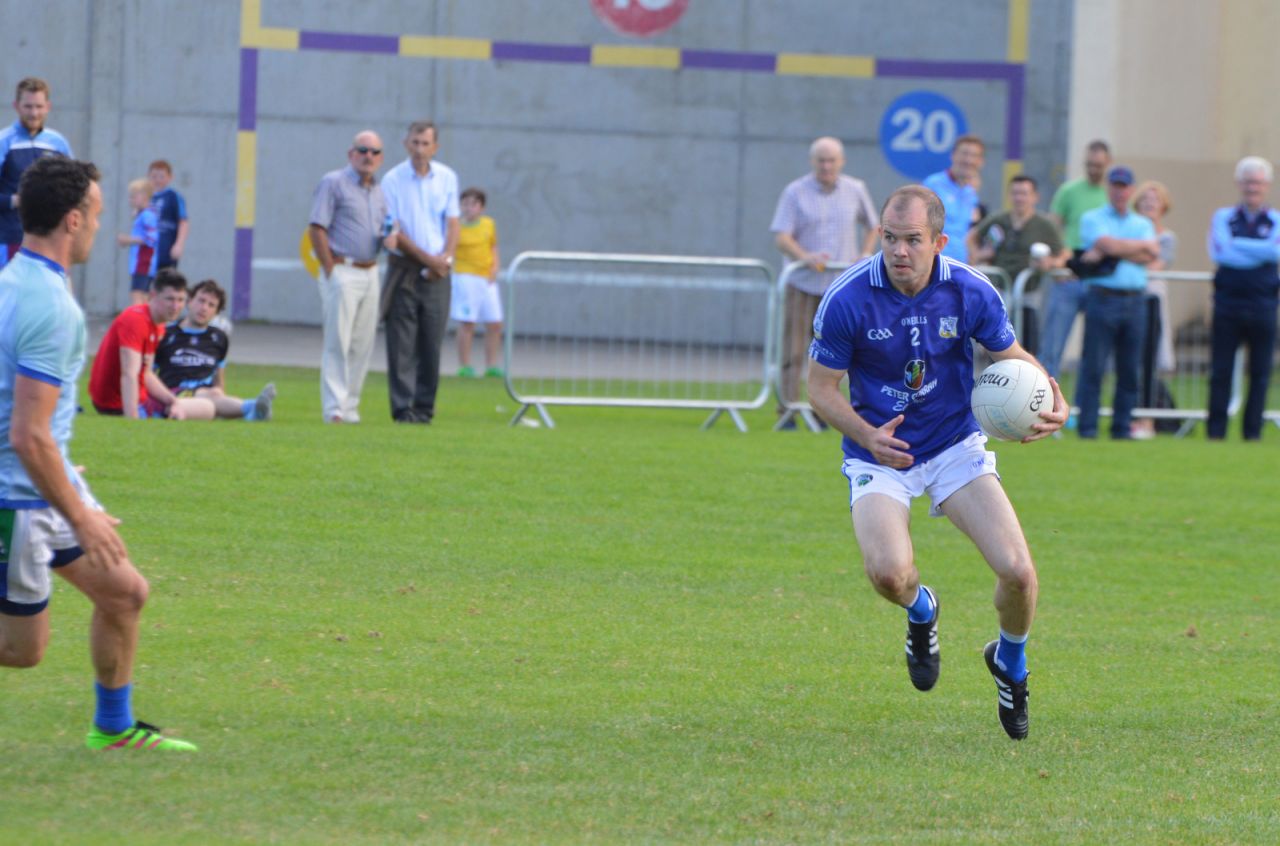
x: 191, y: 358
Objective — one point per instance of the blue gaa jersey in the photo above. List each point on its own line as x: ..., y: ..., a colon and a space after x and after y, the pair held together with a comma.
x: 19, y: 149
x: 910, y: 355
x: 42, y: 337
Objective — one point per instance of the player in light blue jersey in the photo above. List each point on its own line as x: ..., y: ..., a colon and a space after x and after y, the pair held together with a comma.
x: 899, y: 324
x: 48, y: 518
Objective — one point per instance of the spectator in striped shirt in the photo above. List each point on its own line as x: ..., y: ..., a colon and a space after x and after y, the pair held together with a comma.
x: 817, y: 222
x: 141, y: 241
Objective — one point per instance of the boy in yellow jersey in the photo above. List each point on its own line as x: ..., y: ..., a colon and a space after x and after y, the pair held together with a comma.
x: 475, y: 284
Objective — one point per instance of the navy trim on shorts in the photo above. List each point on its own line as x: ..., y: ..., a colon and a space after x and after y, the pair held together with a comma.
x: 63, y: 557
x: 22, y: 609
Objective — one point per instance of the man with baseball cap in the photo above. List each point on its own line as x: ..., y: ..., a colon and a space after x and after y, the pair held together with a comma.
x: 1114, y: 306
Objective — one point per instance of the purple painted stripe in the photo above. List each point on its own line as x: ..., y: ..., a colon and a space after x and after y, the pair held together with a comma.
x: 521, y: 51
x: 726, y: 60
x: 248, y: 90
x: 1013, y: 118
x: 242, y: 281
x: 308, y: 40
x: 911, y: 68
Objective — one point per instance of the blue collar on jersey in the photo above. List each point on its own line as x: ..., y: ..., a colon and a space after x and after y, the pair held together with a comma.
x: 45, y: 260
x: 177, y: 324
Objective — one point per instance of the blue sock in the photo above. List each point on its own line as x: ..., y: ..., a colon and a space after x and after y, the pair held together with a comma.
x: 249, y: 408
x: 1011, y: 655
x: 921, y: 611
x: 115, y: 712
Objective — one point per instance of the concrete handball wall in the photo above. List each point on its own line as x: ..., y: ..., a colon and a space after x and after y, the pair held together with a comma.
x: 573, y: 156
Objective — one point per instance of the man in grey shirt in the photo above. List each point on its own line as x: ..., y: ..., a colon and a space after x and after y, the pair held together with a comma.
x: 817, y: 222
x: 349, y: 220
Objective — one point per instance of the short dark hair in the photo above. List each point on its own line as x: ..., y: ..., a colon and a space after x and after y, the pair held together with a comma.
x: 213, y: 288
x: 50, y: 189
x: 160, y: 164
x: 1023, y: 177
x: 936, y: 213
x: 969, y: 139
x: 420, y: 126
x: 168, y: 277
x: 1098, y: 146
x: 474, y: 192
x: 31, y: 85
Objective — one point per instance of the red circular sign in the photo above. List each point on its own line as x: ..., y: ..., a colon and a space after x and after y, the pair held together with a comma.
x: 640, y: 17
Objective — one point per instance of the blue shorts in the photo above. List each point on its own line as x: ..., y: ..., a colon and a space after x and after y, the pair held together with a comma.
x: 140, y: 282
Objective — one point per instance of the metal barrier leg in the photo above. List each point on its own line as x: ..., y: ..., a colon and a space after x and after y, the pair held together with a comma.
x: 542, y: 412
x: 784, y: 419
x: 811, y: 420
x: 733, y: 415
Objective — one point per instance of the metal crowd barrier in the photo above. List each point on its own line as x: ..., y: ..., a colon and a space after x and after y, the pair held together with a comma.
x: 799, y: 406
x: 1188, y: 381
x: 623, y: 330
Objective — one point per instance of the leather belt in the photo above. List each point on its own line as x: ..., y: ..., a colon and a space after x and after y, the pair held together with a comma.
x: 1116, y: 292
x: 350, y: 262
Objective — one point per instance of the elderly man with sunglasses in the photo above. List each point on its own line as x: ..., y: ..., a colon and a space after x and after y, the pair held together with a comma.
x: 349, y: 220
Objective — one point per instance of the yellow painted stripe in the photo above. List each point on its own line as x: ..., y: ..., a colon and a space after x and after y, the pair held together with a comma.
x: 273, y: 38
x: 252, y: 33
x: 246, y: 177
x: 446, y: 48
x: 1011, y: 169
x: 635, y: 57
x: 1019, y: 25
x: 250, y: 17
x: 812, y: 64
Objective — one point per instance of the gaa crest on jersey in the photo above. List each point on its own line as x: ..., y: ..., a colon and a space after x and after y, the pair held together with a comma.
x: 947, y: 327
x: 913, y: 375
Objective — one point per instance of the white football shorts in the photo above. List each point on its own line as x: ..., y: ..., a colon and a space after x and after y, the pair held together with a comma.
x: 474, y: 300
x: 32, y: 542
x: 939, y: 477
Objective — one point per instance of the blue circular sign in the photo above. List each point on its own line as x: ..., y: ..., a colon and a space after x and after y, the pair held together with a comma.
x: 918, y: 131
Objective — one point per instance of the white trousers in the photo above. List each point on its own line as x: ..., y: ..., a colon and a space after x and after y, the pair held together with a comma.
x: 349, y: 297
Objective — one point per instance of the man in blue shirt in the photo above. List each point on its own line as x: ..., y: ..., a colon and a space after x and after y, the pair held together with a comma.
x: 1115, y: 310
x: 20, y: 146
x: 48, y: 517
x: 957, y: 187
x: 1244, y: 241
x: 899, y: 325
x: 422, y: 197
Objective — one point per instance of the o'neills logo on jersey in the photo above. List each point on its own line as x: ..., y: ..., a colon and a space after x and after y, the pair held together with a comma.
x: 913, y: 376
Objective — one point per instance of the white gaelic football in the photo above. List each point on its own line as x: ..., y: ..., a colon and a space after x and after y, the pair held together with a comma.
x: 1008, y: 397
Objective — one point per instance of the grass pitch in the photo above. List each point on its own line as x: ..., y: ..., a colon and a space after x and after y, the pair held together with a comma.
x: 628, y: 630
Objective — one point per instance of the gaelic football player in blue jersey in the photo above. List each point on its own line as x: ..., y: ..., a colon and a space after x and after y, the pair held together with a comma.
x: 49, y: 521
x: 899, y: 324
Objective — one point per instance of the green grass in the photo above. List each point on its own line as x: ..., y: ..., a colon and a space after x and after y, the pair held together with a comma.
x: 629, y: 630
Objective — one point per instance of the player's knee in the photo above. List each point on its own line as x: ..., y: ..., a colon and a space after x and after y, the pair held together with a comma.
x: 889, y: 580
x: 128, y: 598
x: 1020, y: 576
x: 21, y: 656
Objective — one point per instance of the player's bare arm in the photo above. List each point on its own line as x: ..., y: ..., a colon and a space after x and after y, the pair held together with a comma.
x: 30, y: 435
x: 1055, y: 418
x: 826, y: 398
x: 130, y: 367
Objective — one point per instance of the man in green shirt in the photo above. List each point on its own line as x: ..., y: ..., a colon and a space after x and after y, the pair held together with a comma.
x: 1066, y: 298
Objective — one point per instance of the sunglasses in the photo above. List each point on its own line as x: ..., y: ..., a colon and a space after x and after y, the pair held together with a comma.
x: 376, y: 151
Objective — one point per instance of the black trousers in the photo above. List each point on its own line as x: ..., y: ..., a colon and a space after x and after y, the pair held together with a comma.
x: 1258, y: 330
x: 416, y: 316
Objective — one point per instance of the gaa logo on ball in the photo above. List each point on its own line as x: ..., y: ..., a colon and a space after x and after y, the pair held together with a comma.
x: 1008, y: 397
